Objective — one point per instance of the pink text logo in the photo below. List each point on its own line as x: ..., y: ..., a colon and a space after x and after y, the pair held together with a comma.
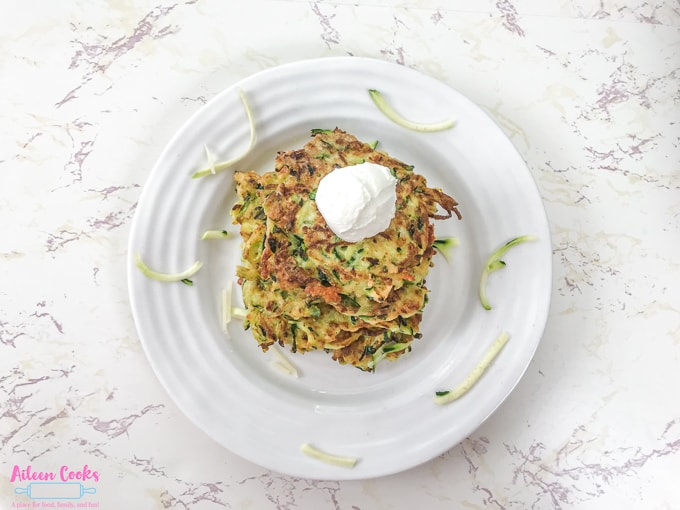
x: 65, y: 474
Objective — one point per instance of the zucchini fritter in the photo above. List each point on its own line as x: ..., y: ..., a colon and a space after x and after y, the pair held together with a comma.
x: 306, y: 288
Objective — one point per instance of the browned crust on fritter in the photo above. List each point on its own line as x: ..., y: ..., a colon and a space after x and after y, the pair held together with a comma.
x: 308, y: 289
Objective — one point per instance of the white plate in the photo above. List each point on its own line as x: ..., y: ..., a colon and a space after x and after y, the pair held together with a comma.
x: 229, y: 388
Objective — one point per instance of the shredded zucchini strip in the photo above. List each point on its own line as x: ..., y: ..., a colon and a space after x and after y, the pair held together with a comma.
x: 213, y: 167
x: 283, y: 363
x: 215, y: 234
x: 227, y: 310
x: 166, y: 277
x: 226, y: 307
x: 337, y: 460
x: 397, y: 118
x: 238, y: 313
x: 383, y: 351
x: 445, y: 397
x: 444, y: 245
x: 210, y: 158
x: 494, y: 263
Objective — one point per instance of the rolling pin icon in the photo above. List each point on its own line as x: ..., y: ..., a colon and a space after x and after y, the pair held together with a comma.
x: 55, y: 490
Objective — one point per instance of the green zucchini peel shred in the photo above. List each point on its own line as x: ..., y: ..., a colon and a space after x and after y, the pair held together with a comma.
x: 213, y: 167
x: 448, y: 396
x: 167, y: 277
x: 400, y: 120
x: 383, y: 351
x: 319, y: 131
x: 444, y: 245
x: 494, y: 263
x: 328, y: 458
x: 215, y: 234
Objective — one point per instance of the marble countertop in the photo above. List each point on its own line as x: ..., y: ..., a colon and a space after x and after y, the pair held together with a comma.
x: 587, y: 90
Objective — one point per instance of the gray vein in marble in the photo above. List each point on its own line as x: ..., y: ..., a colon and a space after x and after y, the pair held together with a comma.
x: 96, y: 58
x: 553, y: 473
x: 510, y: 17
x: 330, y: 35
x: 195, y: 494
x: 10, y: 333
x: 118, y: 426
x: 148, y: 467
x: 396, y: 51
x: 81, y: 148
x: 106, y: 221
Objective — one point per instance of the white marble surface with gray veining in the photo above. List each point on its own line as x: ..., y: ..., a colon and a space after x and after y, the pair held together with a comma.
x: 587, y: 90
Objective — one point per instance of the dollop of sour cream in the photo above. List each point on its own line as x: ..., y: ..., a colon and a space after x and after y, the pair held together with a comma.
x: 357, y: 201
